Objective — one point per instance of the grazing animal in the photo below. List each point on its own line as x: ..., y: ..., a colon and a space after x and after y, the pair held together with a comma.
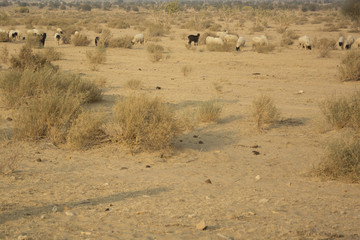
x: 194, y: 38
x: 357, y: 43
x: 97, y: 39
x: 341, y: 42
x: 13, y: 34
x: 259, y: 41
x: 230, y: 38
x: 214, y: 40
x: 33, y: 32
x: 42, y: 38
x: 349, y: 42
x: 240, y: 43
x: 138, y: 38
x: 222, y: 34
x: 57, y: 37
x: 59, y: 31
x: 304, y: 42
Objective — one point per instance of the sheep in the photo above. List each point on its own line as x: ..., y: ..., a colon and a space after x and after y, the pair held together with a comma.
x: 76, y: 33
x: 357, y: 43
x: 33, y: 32
x: 59, y: 31
x: 304, y: 42
x: 340, y: 42
x: 57, y: 37
x: 222, y: 34
x: 240, y: 43
x: 214, y: 40
x: 230, y: 38
x: 13, y: 34
x: 138, y: 38
x: 259, y: 41
x: 349, y: 41
x: 97, y: 39
x: 194, y: 38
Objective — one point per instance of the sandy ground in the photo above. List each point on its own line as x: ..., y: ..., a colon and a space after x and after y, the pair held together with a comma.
x: 109, y: 193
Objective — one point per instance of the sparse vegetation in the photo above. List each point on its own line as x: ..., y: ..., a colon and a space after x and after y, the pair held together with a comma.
x: 210, y: 111
x: 96, y: 57
x: 226, y: 47
x: 10, y: 156
x: 342, y: 160
x: 264, y: 48
x: 145, y: 123
x: 324, y: 45
x: 51, y: 54
x: 155, y: 51
x: 134, y: 84
x: 350, y: 67
x: 29, y: 60
x: 80, y: 40
x: 4, y: 55
x: 264, y: 112
x: 186, y: 70
x: 121, y: 42
x: 4, y: 37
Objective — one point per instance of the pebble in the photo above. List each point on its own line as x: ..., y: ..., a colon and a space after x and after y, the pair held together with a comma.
x: 43, y: 216
x: 38, y: 160
x: 54, y: 209
x: 148, y: 166
x: 263, y: 200
x: 86, y: 233
x: 68, y: 157
x: 256, y: 152
x: 158, y: 88
x: 257, y: 177
x: 300, y: 92
x: 9, y: 119
x: 201, y: 225
x: 289, y: 184
x: 201, y: 142
x: 208, y: 181
x: 106, y: 184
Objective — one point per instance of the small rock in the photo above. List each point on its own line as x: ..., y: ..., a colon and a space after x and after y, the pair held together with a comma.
x: 300, y: 92
x: 86, y: 233
x: 201, y: 142
x: 158, y: 88
x: 54, y: 209
x: 68, y: 213
x: 123, y: 168
x: 43, y: 216
x: 257, y: 177
x: 256, y: 152
x: 256, y: 74
x: 107, y: 209
x: 148, y: 166
x: 342, y: 212
x: 68, y: 157
x: 139, y: 69
x: 23, y: 237
x: 208, y: 181
x: 251, y: 213
x: 191, y: 215
x: 38, y: 160
x: 263, y: 200
x: 181, y: 140
x: 9, y: 119
x: 195, y: 136
x: 106, y: 184
x: 289, y: 184
x: 201, y: 225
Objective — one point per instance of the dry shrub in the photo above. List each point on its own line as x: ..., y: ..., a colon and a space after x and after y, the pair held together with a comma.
x: 80, y: 40
x: 281, y: 29
x: 118, y: 24
x: 202, y: 39
x: 155, y: 51
x: 18, y: 87
x: 10, y: 156
x: 210, y: 111
x: 29, y: 60
x: 257, y: 28
x: 47, y: 116
x: 226, y: 47
x: 342, y: 160
x: 104, y: 39
x: 134, y: 84
x: 86, y: 131
x: 51, y: 54
x: 145, y: 123
x: 121, y: 42
x: 33, y: 41
x: 4, y: 37
x: 350, y: 66
x: 4, y: 55
x: 157, y: 29
x: 264, y: 48
x: 342, y: 112
x: 96, y: 57
x: 324, y: 45
x: 329, y: 27
x: 186, y: 70
x: 264, y: 112
x: 288, y: 38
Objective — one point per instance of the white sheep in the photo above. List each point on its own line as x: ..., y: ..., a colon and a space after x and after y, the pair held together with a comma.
x: 214, y: 40
x: 57, y: 37
x: 356, y: 44
x: 59, y: 31
x: 230, y: 38
x: 304, y: 42
x: 13, y: 34
x: 33, y: 32
x: 259, y: 41
x: 222, y: 34
x: 240, y: 43
x: 349, y: 41
x: 341, y: 42
x: 138, y: 38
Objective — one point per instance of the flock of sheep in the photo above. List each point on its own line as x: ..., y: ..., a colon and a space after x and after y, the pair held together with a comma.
x: 220, y: 39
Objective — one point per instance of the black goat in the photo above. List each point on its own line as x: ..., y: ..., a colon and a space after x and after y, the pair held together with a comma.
x: 194, y: 38
x: 96, y: 40
x: 42, y: 38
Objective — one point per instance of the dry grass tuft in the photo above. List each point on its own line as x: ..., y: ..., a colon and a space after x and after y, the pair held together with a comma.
x: 186, y: 70
x: 10, y: 156
x: 105, y: 37
x: 210, y: 111
x: 342, y: 160
x: 145, y: 123
x: 51, y: 54
x: 118, y: 24
x: 264, y: 112
x: 264, y: 48
x: 29, y: 60
x: 96, y: 57
x: 4, y: 55
x: 324, y: 45
x: 350, y: 66
x: 157, y: 29
x: 80, y: 40
x: 155, y: 51
x: 86, y: 131
x: 4, y: 37
x: 121, y: 42
x: 33, y: 41
x: 288, y: 38
x: 134, y: 84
